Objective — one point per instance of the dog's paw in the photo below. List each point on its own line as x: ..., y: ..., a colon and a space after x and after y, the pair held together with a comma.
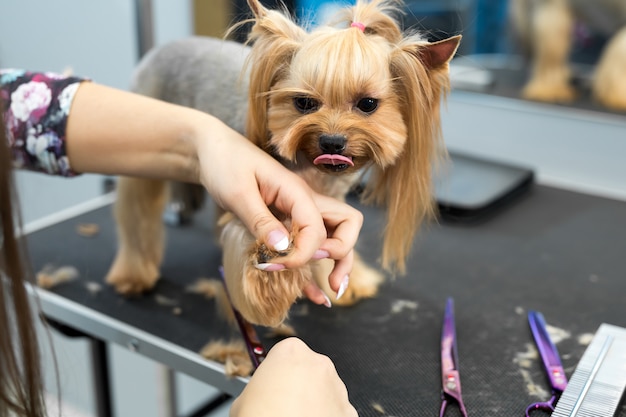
x: 557, y: 92
x: 131, y: 275
x: 616, y: 102
x: 609, y: 87
x: 264, y: 255
x: 268, y: 296
x: 364, y: 282
x: 611, y: 100
x: 260, y: 293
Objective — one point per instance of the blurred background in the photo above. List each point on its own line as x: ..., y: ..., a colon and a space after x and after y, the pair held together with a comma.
x: 578, y: 147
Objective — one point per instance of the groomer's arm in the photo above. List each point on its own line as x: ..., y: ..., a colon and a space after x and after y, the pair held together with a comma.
x: 110, y: 131
x: 115, y: 132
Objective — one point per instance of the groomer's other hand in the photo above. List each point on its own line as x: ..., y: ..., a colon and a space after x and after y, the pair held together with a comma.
x: 294, y: 381
x: 245, y: 180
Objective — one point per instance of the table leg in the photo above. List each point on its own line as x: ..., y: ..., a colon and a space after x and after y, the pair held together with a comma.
x: 167, y: 390
x: 101, y: 378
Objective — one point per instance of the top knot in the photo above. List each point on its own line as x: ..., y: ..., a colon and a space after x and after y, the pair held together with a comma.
x: 360, y: 26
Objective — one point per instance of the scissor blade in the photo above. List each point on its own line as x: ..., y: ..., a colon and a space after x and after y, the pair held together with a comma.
x: 256, y: 351
x: 449, y: 354
x: 547, y: 350
x: 450, y: 378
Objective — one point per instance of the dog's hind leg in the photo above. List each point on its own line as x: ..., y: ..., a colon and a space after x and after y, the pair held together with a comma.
x: 363, y: 283
x: 141, y: 234
x: 609, y: 83
x: 550, y: 37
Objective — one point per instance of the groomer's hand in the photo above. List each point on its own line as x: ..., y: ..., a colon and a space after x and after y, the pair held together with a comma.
x: 294, y: 381
x: 245, y: 180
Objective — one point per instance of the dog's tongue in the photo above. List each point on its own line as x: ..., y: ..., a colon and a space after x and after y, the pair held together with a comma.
x: 332, y: 159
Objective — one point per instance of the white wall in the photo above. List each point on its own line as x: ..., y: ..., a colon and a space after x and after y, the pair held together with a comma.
x: 579, y: 150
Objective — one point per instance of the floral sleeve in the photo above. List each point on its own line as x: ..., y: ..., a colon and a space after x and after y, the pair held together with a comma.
x: 35, y: 108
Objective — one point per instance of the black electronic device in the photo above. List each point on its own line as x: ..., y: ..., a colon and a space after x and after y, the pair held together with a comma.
x: 470, y: 189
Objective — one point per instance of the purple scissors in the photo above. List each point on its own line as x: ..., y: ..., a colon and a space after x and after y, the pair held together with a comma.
x: 551, y: 362
x: 450, y: 377
x: 256, y: 351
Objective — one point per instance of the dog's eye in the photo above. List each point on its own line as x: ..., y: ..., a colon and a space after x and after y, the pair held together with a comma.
x: 306, y: 105
x: 367, y: 105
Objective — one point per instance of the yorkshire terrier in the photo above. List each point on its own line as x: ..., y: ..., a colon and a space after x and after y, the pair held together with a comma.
x: 546, y: 29
x: 358, y: 95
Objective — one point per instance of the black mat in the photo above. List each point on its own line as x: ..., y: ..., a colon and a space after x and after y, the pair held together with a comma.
x: 558, y: 252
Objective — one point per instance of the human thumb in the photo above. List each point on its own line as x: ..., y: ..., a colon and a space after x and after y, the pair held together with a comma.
x: 266, y: 228
x: 278, y: 240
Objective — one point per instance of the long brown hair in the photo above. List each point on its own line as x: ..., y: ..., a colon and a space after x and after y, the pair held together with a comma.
x: 21, y: 386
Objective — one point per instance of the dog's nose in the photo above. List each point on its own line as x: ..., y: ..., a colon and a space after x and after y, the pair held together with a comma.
x: 332, y: 144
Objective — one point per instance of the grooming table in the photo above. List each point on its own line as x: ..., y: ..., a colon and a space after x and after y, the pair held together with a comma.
x: 555, y: 251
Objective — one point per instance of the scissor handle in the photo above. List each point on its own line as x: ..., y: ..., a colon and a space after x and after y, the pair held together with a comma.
x: 547, y: 406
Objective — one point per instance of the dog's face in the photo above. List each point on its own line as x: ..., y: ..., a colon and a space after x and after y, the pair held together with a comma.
x: 338, y: 99
x: 336, y: 107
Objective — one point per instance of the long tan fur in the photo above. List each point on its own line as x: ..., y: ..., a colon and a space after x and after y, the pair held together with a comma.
x: 406, y: 187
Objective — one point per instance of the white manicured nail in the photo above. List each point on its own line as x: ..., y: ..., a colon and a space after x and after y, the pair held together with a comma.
x: 269, y: 267
x: 278, y: 240
x: 282, y: 244
x: 343, y: 287
x: 327, y: 302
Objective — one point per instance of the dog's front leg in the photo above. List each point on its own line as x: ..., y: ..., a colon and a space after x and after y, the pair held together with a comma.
x: 138, y: 211
x: 262, y: 297
x: 552, y: 25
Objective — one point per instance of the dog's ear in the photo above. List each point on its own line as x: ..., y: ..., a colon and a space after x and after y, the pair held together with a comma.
x: 275, y: 39
x: 273, y: 23
x: 421, y: 77
x: 257, y: 8
x: 437, y: 55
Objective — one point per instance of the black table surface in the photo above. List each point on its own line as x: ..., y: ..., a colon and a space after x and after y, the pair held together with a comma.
x: 555, y: 251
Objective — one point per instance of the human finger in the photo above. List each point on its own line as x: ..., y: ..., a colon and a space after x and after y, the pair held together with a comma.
x: 316, y: 295
x: 343, y: 224
x: 340, y: 275
x: 259, y: 220
x: 310, y: 231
